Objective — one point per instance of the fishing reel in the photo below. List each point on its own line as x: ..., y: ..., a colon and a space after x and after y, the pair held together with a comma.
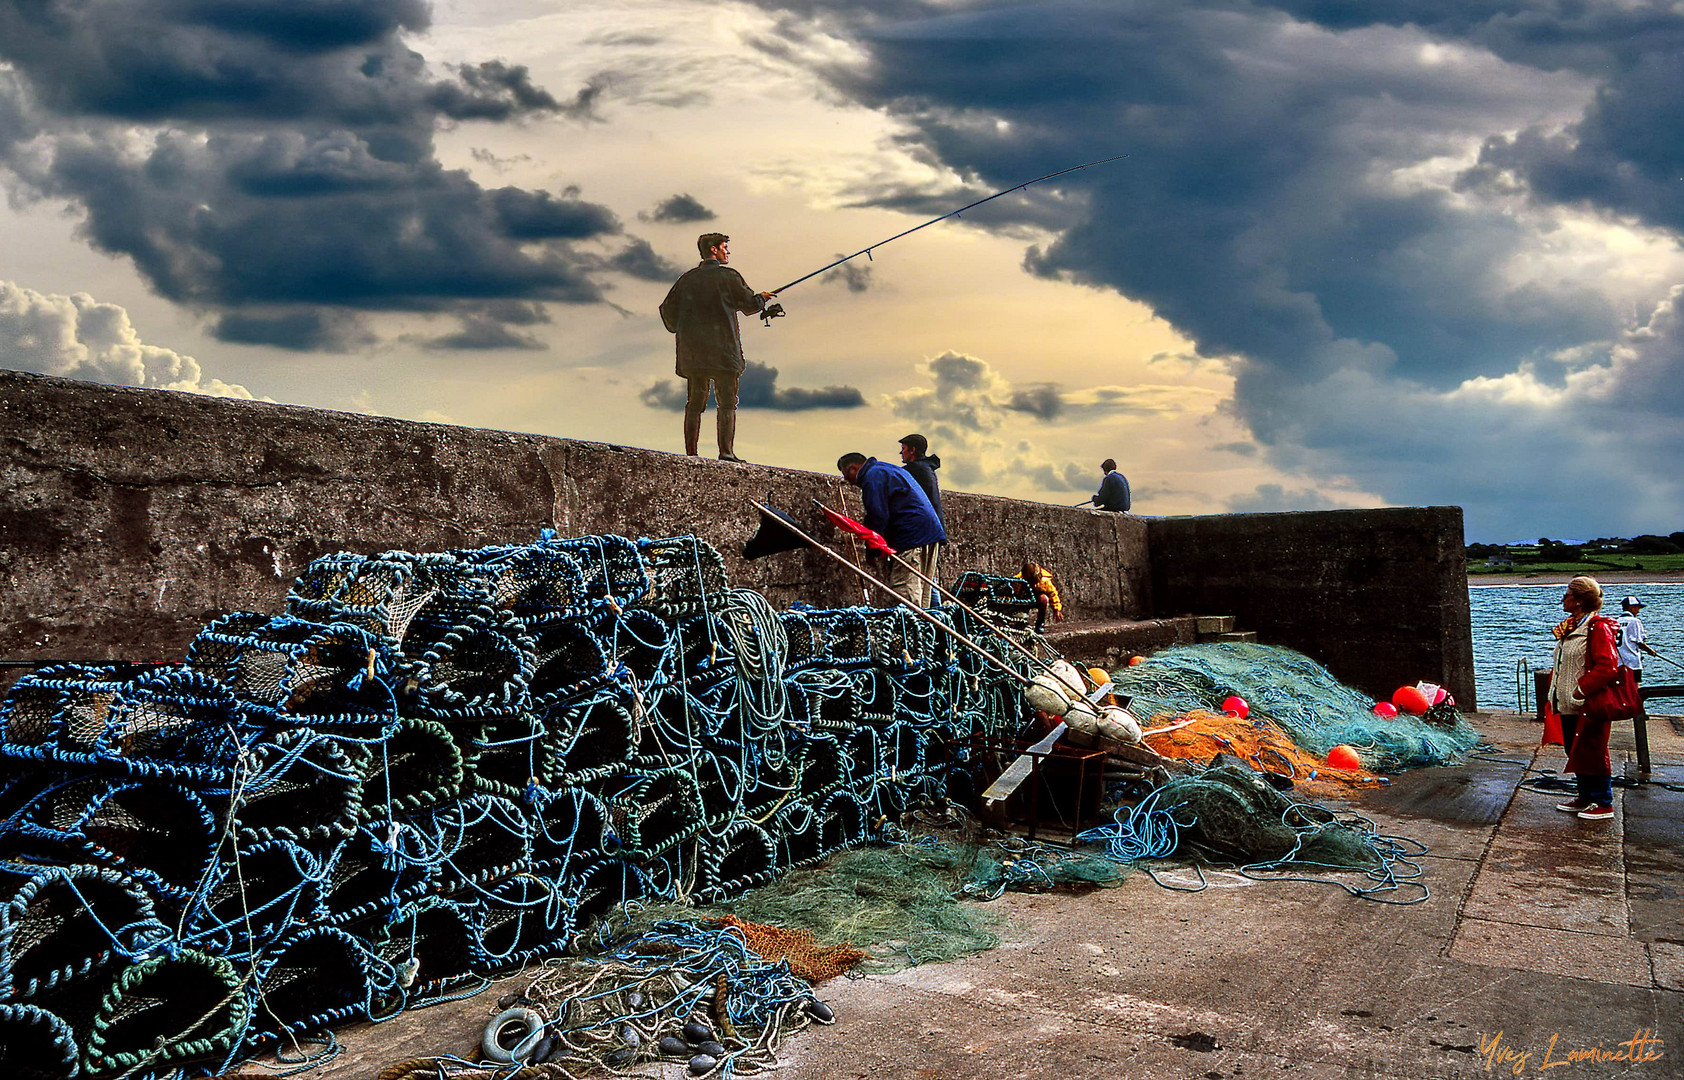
x: 770, y: 312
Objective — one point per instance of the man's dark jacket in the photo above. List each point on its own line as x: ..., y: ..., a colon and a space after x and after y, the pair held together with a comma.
x: 896, y: 507
x: 1113, y: 493
x: 701, y: 308
x: 923, y: 469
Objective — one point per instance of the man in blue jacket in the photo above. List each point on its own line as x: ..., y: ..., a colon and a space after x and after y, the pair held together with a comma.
x: 1113, y: 490
x: 896, y: 507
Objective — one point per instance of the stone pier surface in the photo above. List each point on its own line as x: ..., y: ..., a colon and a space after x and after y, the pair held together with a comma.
x: 1541, y: 935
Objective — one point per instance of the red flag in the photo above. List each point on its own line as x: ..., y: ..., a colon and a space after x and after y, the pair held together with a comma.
x: 872, y: 539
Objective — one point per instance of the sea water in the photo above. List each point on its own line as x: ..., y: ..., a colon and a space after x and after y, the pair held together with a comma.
x: 1512, y: 622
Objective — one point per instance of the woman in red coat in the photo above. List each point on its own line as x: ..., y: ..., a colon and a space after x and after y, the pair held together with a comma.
x: 1584, y: 663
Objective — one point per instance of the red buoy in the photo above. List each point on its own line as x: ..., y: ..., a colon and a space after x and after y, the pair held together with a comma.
x: 1344, y: 757
x: 1410, y: 700
x: 1385, y: 709
x: 1236, y: 706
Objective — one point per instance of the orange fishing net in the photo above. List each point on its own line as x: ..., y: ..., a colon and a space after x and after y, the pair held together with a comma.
x: 807, y: 958
x: 1259, y: 743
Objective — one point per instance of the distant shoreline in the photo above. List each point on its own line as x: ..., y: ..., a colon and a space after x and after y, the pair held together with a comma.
x: 1561, y: 578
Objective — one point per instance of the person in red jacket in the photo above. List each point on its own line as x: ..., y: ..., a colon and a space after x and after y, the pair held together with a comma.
x: 1584, y: 663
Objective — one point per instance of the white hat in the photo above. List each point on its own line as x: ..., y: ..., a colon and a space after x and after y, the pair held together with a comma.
x: 1631, y: 601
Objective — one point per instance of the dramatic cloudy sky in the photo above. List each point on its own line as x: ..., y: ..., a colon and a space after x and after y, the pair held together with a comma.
x: 1362, y: 252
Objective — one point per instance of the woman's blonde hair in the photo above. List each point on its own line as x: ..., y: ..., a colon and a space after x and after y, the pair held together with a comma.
x: 1588, y: 591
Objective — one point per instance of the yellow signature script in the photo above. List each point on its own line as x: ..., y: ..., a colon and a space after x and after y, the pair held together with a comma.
x: 1641, y: 1047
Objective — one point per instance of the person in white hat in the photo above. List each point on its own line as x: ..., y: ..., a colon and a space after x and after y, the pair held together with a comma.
x: 1633, y: 643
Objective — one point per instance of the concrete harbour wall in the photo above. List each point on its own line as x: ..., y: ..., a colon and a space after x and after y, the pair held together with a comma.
x: 130, y: 518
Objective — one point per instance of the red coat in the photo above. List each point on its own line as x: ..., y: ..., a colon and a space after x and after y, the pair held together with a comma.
x: 1589, y: 755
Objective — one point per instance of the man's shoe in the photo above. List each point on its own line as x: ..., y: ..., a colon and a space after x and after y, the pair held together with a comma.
x: 732, y: 457
x: 1574, y: 806
x: 1597, y: 813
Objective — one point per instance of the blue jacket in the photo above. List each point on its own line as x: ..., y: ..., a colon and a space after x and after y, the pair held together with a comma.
x: 896, y: 507
x: 1113, y: 493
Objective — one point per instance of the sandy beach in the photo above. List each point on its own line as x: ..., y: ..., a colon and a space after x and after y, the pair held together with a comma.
x: 1624, y: 577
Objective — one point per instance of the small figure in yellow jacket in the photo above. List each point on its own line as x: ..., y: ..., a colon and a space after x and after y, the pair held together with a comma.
x: 1046, y: 593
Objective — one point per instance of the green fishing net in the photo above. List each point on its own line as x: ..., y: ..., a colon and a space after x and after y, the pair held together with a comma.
x: 1299, y: 695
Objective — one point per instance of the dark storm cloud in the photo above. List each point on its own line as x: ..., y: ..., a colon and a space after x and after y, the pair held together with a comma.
x: 640, y: 260
x: 1040, y: 400
x: 1285, y: 201
x: 286, y: 160
x: 678, y: 210
x: 853, y: 276
x: 479, y: 333
x: 757, y: 388
x: 304, y: 330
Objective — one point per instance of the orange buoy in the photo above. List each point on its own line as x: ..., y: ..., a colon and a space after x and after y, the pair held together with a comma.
x: 1136, y: 659
x: 1343, y: 757
x: 1410, y: 700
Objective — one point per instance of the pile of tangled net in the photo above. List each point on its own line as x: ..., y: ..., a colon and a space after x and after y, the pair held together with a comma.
x: 1299, y: 696
x: 434, y: 768
x: 1262, y: 745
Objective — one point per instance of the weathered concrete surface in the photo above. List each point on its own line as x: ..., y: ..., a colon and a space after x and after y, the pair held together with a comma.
x: 1379, y: 596
x: 130, y: 518
x: 1110, y: 644
x: 1249, y: 979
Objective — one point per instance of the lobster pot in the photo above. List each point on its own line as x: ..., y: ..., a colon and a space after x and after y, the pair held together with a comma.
x: 35, y: 1044
x: 570, y: 662
x: 920, y: 694
x: 795, y: 830
x: 866, y: 751
x: 601, y: 887
x: 287, y: 672
x: 806, y: 641
x: 613, y: 571
x: 995, y: 594
x: 195, y: 1001
x: 304, y: 787
x: 911, y: 748
x: 520, y: 919
x: 685, y: 574
x: 638, y: 642
x: 847, y: 639
x: 366, y: 877
x: 699, y: 655
x: 719, y: 783
x: 824, y: 698
x: 172, y: 722
x: 501, y: 757
x: 435, y: 935
x: 590, y: 740
x: 570, y: 828
x: 649, y: 812
x: 157, y: 832
x: 822, y: 767
x: 480, y: 839
x: 771, y: 777
x: 842, y: 822
x: 53, y: 926
x: 540, y: 583
x: 876, y: 700
x: 318, y: 977
x: 480, y: 669
x: 412, y: 601
x: 898, y: 640
x: 417, y: 768
x: 255, y: 899
x: 742, y: 856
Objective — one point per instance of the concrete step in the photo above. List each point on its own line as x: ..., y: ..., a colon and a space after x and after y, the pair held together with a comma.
x: 1215, y: 624
x: 1110, y: 643
x: 1232, y: 635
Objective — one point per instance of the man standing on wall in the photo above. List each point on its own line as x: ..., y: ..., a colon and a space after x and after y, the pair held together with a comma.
x: 896, y: 507
x: 701, y: 308
x: 1113, y: 490
x: 917, y: 460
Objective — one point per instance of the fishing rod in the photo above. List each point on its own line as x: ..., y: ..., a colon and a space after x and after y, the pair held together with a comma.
x: 773, y: 311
